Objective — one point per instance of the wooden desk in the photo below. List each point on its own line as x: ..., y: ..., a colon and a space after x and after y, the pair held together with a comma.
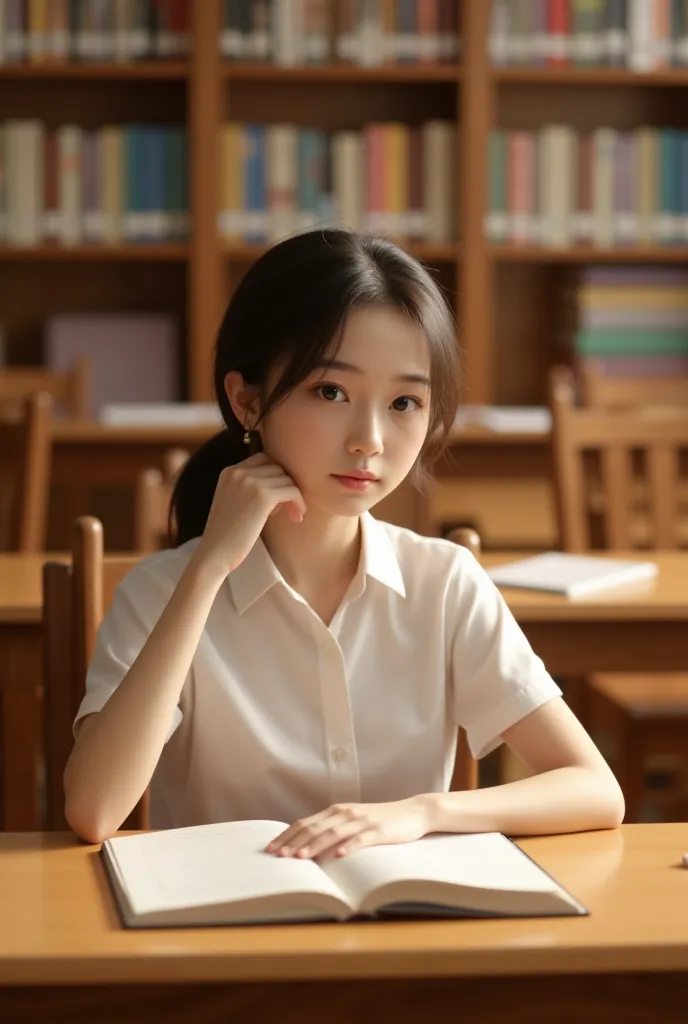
x: 643, y: 628
x: 64, y: 955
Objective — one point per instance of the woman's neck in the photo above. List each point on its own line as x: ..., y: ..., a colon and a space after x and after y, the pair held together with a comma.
x: 316, y: 555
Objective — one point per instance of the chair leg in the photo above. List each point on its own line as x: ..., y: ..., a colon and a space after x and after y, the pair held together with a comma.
x: 630, y: 770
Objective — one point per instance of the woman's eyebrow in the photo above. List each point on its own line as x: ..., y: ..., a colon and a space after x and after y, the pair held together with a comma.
x: 406, y: 378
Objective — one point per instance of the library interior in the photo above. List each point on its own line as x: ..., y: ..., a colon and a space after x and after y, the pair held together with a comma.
x: 522, y: 166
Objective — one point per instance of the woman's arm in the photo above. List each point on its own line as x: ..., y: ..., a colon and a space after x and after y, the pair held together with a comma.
x: 117, y: 748
x: 572, y: 788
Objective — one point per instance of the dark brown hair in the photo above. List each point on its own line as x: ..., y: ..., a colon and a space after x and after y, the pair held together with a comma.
x: 289, y: 310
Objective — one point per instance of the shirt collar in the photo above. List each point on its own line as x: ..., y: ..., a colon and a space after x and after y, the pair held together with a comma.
x: 258, y: 573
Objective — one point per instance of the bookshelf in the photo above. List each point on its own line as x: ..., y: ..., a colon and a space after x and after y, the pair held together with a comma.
x: 505, y: 298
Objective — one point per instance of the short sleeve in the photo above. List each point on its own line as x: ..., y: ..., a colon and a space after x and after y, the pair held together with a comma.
x: 136, y: 606
x: 497, y: 679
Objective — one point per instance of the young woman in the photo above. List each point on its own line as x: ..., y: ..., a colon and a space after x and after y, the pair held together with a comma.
x: 294, y: 658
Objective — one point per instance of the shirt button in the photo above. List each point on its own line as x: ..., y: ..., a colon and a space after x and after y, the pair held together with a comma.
x: 339, y: 754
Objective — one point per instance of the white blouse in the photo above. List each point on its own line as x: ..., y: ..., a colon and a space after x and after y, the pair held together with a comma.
x: 281, y: 716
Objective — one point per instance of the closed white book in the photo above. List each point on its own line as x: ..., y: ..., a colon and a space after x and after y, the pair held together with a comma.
x: 559, y: 572
x: 160, y: 414
x: 220, y: 874
x: 506, y: 419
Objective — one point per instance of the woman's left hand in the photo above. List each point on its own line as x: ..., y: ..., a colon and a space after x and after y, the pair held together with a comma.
x: 344, y: 828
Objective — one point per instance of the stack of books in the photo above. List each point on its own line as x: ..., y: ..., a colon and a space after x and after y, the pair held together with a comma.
x: 557, y: 187
x: 125, y: 183
x: 634, y: 320
x: 367, y: 32
x: 56, y: 31
x: 390, y: 179
x: 643, y: 35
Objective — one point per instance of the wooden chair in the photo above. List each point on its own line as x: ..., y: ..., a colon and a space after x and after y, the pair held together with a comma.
x: 70, y: 389
x: 601, y: 391
x: 25, y: 444
x: 465, y: 774
x: 154, y: 489
x: 75, y: 598
x: 634, y: 459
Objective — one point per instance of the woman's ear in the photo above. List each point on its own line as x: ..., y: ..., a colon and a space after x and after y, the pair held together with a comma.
x: 243, y: 399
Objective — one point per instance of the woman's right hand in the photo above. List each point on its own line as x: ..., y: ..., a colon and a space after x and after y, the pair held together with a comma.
x: 245, y: 496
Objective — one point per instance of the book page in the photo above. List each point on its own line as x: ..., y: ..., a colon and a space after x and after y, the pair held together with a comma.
x: 210, y: 864
x: 485, y: 860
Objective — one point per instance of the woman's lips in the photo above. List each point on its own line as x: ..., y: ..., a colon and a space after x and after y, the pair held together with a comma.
x: 354, y: 483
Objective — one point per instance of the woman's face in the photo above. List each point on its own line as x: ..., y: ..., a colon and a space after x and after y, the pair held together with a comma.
x: 365, y: 412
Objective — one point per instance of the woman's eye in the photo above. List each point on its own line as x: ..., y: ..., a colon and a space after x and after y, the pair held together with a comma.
x: 405, y: 398
x: 329, y: 392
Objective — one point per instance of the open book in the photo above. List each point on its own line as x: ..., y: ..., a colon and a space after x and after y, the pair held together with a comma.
x: 571, y: 575
x: 220, y: 875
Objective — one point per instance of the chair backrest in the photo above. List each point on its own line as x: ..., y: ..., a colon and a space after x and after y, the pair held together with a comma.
x: 599, y: 389
x: 25, y: 446
x: 75, y: 598
x: 465, y: 767
x: 620, y: 474
x: 70, y: 389
x: 154, y: 489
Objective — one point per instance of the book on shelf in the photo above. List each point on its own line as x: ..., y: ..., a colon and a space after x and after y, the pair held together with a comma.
x: 134, y: 357
x: 642, y: 35
x: 371, y: 33
x: 557, y: 187
x: 633, y: 320
x: 61, y: 31
x: 221, y: 875
x: 559, y: 572
x: 119, y: 184
x: 393, y: 179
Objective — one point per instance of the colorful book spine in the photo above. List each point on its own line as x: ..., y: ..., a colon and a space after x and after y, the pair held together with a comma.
x: 643, y: 35
x: 49, y: 31
x: 388, y: 178
x: 118, y: 183
x: 606, y: 188
x: 633, y: 319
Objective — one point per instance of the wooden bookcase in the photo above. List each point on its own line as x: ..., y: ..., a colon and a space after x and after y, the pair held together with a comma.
x: 506, y: 300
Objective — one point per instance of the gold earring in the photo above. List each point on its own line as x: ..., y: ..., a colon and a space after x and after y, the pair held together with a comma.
x: 247, y: 437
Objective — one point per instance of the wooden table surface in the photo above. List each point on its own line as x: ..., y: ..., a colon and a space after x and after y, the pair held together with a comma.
x: 59, y: 923
x: 661, y: 599
x: 64, y: 955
